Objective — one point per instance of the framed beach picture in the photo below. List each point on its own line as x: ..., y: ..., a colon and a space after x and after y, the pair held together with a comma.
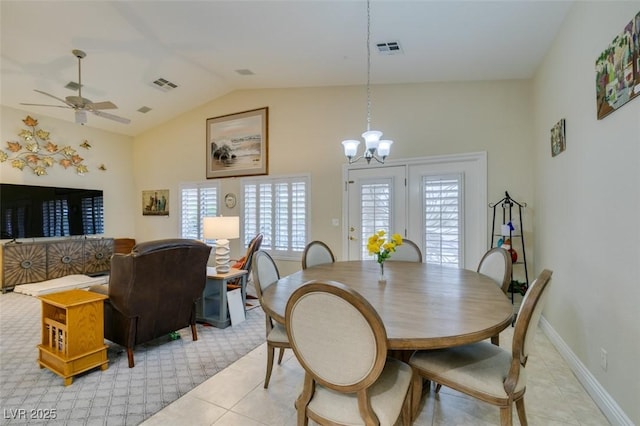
x: 558, y: 138
x: 155, y: 202
x: 238, y: 144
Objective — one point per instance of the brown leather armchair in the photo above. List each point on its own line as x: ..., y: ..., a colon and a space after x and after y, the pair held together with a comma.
x: 152, y: 291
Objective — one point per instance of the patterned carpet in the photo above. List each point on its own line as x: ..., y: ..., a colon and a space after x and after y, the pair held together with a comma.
x: 164, y: 371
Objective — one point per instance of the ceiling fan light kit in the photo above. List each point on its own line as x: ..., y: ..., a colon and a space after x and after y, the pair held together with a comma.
x: 80, y: 104
x: 81, y: 117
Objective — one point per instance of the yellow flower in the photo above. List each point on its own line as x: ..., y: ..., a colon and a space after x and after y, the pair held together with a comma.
x: 381, y: 247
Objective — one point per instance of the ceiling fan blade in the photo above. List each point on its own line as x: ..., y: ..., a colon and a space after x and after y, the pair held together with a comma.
x: 102, y: 105
x: 54, y: 97
x: 55, y: 106
x: 111, y: 117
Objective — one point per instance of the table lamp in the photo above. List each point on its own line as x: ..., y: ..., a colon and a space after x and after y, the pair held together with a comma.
x: 221, y: 229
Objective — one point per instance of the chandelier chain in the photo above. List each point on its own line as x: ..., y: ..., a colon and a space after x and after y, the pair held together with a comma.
x: 368, y: 65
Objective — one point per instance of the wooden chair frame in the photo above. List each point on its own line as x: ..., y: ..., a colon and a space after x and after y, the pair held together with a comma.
x: 361, y: 387
x: 518, y: 360
x: 269, y: 322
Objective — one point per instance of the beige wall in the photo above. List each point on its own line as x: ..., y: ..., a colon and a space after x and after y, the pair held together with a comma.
x: 110, y: 149
x: 307, y: 125
x: 588, y: 204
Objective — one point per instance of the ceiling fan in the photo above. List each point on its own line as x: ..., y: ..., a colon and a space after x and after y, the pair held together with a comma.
x: 81, y: 105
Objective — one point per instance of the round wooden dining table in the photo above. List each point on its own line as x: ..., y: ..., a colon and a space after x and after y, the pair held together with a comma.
x: 423, y: 306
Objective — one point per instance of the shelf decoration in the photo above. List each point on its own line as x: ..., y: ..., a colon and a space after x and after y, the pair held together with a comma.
x: 39, y: 152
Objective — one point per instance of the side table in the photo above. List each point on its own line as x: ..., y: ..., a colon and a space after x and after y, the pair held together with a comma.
x: 212, y: 307
x: 72, y: 333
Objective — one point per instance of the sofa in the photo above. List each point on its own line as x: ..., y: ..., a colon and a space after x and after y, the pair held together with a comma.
x: 152, y: 291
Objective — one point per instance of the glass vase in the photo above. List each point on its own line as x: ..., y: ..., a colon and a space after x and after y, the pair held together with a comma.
x: 381, y: 278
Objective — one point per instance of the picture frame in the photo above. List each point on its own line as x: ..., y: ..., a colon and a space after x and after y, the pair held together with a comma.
x: 618, y: 70
x: 155, y: 202
x: 558, y: 138
x: 238, y: 144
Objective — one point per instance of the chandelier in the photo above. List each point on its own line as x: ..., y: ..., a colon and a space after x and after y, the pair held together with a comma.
x: 374, y: 147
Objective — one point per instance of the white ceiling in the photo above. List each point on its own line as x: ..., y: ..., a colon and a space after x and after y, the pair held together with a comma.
x: 199, y: 45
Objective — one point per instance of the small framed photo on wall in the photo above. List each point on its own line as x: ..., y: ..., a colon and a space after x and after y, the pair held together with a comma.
x: 558, y: 138
x: 155, y: 202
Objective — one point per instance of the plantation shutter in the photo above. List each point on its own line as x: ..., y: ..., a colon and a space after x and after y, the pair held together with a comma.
x: 278, y: 208
x: 375, y: 210
x: 196, y: 202
x: 443, y: 219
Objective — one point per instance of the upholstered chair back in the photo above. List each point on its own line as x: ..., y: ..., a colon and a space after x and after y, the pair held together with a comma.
x: 265, y: 271
x: 529, y: 316
x: 496, y: 264
x: 317, y: 253
x: 407, y: 252
x: 338, y: 357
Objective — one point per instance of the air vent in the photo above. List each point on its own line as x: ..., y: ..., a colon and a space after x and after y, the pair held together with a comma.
x: 144, y: 109
x: 164, y: 84
x: 389, y: 48
x: 72, y: 85
x: 245, y: 72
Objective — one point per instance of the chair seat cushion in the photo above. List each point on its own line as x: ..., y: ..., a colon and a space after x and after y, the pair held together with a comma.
x: 278, y: 334
x: 387, y: 396
x: 479, y: 367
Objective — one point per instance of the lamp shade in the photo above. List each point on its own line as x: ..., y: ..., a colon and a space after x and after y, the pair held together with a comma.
x: 350, y: 147
x: 384, y: 147
x: 221, y: 227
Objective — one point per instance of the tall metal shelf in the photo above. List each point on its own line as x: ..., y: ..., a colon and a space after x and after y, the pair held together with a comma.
x: 510, y: 207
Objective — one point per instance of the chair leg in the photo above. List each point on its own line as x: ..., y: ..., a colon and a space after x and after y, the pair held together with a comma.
x: 416, y: 394
x: 506, y: 416
x: 194, y: 333
x: 438, y: 386
x: 495, y: 340
x: 407, y: 413
x: 280, y: 355
x: 522, y: 415
x: 270, y: 351
x: 130, y: 357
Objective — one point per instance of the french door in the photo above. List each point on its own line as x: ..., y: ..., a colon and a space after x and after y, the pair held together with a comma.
x: 376, y: 200
x: 437, y: 202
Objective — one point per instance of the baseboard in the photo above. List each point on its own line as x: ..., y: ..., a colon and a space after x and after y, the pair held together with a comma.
x: 600, y: 396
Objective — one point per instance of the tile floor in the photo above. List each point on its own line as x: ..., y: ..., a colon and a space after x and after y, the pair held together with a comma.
x: 235, y: 396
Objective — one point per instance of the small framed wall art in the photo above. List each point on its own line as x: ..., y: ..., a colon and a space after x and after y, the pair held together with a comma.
x: 155, y: 202
x: 238, y: 144
x: 558, y: 138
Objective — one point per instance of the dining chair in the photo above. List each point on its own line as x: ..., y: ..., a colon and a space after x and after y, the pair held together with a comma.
x: 485, y: 371
x: 497, y: 265
x: 245, y: 262
x: 341, y: 343
x: 317, y: 253
x: 265, y: 273
x: 408, y: 251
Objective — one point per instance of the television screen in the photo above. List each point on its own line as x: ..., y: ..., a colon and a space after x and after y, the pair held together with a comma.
x: 42, y: 211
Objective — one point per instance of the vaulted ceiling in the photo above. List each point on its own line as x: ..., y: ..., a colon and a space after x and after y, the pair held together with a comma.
x: 210, y: 48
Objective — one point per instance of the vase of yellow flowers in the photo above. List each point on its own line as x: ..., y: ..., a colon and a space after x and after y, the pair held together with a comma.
x: 381, y: 248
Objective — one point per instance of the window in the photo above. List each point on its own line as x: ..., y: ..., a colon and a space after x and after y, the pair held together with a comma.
x: 443, y: 219
x: 197, y: 200
x: 376, y: 211
x: 279, y: 208
x: 92, y: 215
